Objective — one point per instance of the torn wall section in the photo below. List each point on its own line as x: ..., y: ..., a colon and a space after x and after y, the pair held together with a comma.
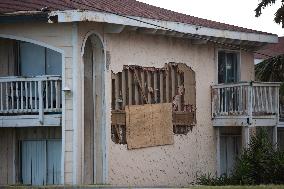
x: 136, y: 85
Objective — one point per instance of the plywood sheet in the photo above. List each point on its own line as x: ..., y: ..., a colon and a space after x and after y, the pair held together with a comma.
x: 149, y: 125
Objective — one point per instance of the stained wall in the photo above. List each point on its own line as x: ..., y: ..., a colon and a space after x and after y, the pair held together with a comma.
x: 174, y: 165
x: 171, y: 165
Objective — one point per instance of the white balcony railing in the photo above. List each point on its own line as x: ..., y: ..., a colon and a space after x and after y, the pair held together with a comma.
x: 245, y: 99
x: 34, y: 95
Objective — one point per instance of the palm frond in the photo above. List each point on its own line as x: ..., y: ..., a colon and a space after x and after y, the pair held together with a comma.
x: 262, y: 5
x: 271, y: 69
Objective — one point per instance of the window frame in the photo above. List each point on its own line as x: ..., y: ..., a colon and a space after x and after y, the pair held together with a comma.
x: 46, y: 51
x: 238, y: 52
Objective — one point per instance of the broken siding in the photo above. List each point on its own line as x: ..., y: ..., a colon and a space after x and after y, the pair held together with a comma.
x: 59, y: 36
x: 137, y: 85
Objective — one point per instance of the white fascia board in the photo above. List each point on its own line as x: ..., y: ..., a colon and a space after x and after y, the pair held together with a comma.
x: 78, y: 16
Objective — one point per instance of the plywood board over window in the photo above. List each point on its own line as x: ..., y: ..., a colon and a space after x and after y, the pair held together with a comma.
x: 137, y: 85
x: 149, y: 125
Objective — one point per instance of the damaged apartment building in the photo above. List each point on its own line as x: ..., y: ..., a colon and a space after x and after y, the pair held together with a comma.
x: 124, y: 93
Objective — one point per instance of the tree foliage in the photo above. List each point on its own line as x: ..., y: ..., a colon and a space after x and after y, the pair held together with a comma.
x: 279, y: 15
x: 261, y: 163
x: 272, y: 70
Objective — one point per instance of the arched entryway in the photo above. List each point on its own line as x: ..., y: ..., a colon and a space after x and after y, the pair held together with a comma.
x: 94, y: 64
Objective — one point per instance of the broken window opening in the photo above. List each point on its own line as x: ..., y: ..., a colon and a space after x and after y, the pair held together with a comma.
x: 137, y: 85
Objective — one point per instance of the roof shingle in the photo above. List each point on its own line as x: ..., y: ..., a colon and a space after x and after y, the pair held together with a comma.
x: 124, y: 7
x: 271, y: 50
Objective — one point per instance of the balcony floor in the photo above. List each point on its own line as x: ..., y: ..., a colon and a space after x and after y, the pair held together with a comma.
x: 221, y: 121
x: 30, y: 120
x: 281, y: 122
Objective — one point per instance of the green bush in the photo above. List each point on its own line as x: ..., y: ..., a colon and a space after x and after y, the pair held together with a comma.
x: 209, y: 180
x: 260, y: 163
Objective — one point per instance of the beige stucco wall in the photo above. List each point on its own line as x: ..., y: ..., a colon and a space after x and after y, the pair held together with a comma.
x: 247, y: 66
x: 177, y: 164
x: 174, y: 165
x: 166, y: 165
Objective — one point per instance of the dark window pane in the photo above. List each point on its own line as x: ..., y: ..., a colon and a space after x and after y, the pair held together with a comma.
x: 227, y: 67
x: 221, y: 67
x: 53, y: 62
x: 32, y: 59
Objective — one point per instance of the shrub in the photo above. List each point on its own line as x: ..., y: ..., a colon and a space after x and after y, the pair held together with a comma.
x: 209, y: 180
x: 260, y: 163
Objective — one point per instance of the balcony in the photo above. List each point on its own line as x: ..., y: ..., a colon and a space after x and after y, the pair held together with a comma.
x: 30, y: 101
x: 245, y: 104
x: 281, y: 113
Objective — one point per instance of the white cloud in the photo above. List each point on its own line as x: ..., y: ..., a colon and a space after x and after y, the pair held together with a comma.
x: 235, y: 12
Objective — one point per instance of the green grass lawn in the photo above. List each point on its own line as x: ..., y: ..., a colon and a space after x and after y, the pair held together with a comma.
x: 240, y: 187
x: 110, y: 187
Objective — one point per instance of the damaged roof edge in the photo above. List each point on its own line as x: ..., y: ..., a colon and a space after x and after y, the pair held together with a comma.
x: 22, y: 17
x: 79, y: 15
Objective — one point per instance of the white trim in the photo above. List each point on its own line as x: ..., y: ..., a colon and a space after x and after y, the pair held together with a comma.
x: 78, y: 15
x: 238, y: 52
x: 245, y: 136
x: 280, y: 124
x: 216, y: 50
x: 32, y: 41
x: 63, y: 122
x: 87, y: 35
x: 240, y: 66
x: 75, y: 100
x: 218, y: 151
x: 17, y: 121
x: 103, y: 126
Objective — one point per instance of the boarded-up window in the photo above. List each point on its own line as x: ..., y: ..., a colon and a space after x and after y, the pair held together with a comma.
x: 136, y: 85
x: 149, y: 125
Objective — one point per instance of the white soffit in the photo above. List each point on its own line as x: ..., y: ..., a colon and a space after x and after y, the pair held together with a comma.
x: 78, y: 15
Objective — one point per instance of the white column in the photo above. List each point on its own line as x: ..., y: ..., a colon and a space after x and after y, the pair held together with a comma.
x: 76, y: 104
x: 218, y: 151
x: 245, y: 136
x: 277, y: 118
x: 275, y: 135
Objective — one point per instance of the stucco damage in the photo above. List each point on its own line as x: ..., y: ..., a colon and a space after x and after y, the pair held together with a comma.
x: 137, y: 85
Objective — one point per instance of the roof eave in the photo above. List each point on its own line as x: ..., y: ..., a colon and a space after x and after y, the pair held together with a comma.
x: 79, y: 16
x: 27, y: 16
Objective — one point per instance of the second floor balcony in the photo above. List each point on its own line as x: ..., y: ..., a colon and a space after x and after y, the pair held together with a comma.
x: 30, y: 101
x: 245, y: 104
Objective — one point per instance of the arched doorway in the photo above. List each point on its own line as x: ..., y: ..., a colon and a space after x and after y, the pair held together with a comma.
x: 94, y: 63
